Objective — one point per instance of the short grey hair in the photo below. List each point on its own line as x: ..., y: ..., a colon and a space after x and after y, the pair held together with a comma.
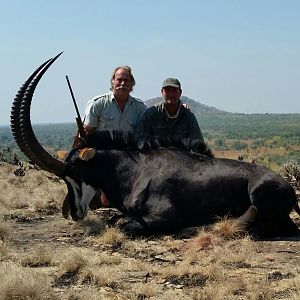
x: 124, y: 68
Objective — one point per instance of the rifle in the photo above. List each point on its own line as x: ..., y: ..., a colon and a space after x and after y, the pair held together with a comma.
x: 81, y: 131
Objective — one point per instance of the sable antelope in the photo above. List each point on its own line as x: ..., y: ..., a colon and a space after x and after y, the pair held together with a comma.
x: 164, y: 189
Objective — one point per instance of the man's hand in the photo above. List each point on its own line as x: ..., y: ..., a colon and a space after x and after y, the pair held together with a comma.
x: 146, y: 144
x: 185, y: 106
x: 88, y: 129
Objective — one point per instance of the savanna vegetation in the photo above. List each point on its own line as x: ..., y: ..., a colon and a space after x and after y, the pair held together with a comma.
x: 43, y: 256
x: 270, y: 139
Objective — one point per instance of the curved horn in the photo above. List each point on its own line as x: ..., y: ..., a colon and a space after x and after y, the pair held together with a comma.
x: 26, y: 137
x: 15, y: 109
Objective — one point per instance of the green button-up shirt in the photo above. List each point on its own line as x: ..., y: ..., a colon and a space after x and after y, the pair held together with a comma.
x: 103, y: 113
x: 156, y: 123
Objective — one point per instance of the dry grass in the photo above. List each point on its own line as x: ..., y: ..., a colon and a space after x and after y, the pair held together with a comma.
x: 6, y: 234
x: 295, y: 295
x: 110, y: 276
x: 234, y: 288
x: 143, y: 291
x: 90, y: 292
x: 24, y: 283
x: 228, y: 228
x: 43, y: 256
x: 29, y: 191
x: 4, y: 251
x: 203, y: 240
x: 111, y: 236
x: 235, y: 253
x: 73, y: 261
x: 92, y: 225
x: 5, y: 231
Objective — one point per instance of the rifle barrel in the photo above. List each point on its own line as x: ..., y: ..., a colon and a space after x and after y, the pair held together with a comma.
x: 73, y: 98
x: 78, y: 119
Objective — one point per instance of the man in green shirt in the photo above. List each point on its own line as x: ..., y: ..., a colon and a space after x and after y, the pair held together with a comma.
x: 169, y: 118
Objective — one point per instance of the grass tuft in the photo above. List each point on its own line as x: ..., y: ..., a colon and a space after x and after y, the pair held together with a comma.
x: 5, y: 232
x: 73, y: 262
x: 4, y: 251
x: 228, y: 229
x: 23, y: 283
x: 41, y: 257
x: 112, y: 237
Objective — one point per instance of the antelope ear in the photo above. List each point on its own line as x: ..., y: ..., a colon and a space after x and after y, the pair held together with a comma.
x: 87, y: 154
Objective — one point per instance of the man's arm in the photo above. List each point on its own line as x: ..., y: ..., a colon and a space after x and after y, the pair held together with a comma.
x: 143, y: 133
x: 143, y: 128
x: 88, y: 129
x: 91, y: 117
x: 195, y: 131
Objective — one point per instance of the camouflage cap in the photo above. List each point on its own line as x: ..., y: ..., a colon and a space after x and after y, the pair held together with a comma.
x: 171, y: 82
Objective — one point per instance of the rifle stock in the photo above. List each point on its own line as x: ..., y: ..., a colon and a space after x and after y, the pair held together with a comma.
x: 81, y: 130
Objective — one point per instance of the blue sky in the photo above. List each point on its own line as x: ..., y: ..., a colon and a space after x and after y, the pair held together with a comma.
x: 239, y: 56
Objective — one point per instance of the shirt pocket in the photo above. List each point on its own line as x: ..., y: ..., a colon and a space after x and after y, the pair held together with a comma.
x: 107, y: 121
x: 131, y: 123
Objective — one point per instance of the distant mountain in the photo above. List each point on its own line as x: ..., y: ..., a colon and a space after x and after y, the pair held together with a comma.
x: 195, y: 106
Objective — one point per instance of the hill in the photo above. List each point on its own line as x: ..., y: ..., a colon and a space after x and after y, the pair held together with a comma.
x: 195, y: 106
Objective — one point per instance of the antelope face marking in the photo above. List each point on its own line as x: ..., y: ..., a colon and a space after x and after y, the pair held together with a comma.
x: 80, y: 195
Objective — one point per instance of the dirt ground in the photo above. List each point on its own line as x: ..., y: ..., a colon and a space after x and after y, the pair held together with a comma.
x: 208, y: 265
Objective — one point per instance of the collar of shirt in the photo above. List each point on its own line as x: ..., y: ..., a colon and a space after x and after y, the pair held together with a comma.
x: 112, y: 98
x: 161, y: 108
